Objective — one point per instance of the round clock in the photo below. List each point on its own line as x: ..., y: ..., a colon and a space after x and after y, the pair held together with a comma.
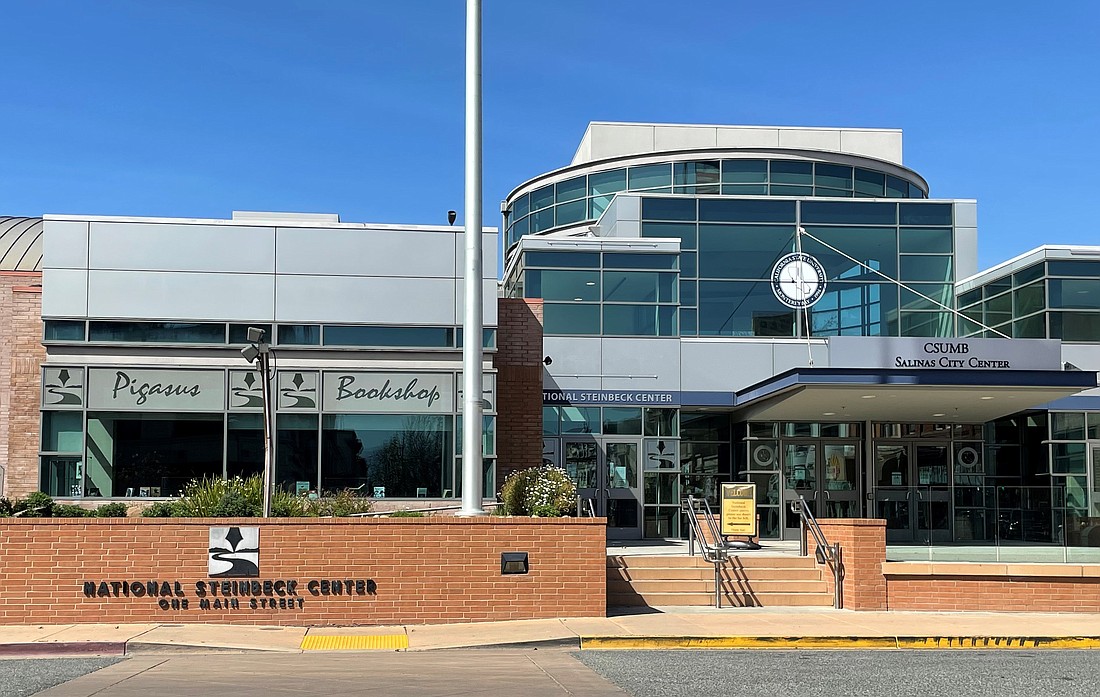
x: 798, y: 280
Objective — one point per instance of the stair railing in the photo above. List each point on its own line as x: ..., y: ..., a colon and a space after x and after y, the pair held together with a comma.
x: 825, y: 553
x: 716, y: 552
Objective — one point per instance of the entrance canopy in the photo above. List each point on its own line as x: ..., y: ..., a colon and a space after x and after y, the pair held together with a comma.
x: 865, y: 394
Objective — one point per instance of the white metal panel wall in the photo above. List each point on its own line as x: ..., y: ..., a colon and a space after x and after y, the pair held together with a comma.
x: 178, y: 247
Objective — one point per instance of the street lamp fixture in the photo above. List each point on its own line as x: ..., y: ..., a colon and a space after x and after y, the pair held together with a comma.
x: 258, y: 352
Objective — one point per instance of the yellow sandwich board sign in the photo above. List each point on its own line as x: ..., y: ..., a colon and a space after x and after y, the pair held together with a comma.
x: 739, y: 509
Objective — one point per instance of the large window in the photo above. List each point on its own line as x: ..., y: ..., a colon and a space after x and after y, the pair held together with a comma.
x: 403, y: 455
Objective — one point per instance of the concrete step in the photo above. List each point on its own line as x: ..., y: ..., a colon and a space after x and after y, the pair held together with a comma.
x: 617, y: 586
x: 783, y: 561
x: 707, y: 572
x: 728, y: 599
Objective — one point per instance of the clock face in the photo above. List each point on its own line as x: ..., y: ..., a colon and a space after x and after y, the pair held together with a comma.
x: 798, y: 280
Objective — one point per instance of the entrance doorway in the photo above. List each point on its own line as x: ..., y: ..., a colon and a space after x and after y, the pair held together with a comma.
x: 912, y: 491
x: 607, y: 471
x: 826, y: 475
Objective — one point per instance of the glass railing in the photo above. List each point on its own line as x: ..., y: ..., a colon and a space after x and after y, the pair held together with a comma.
x: 987, y: 523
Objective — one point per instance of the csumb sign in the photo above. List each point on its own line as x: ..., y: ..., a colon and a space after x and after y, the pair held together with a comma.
x: 944, y: 354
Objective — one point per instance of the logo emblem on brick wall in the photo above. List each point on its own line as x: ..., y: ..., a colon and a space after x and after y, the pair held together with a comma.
x: 234, y: 553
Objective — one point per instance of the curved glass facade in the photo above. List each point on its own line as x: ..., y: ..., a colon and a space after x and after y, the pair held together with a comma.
x: 585, y: 197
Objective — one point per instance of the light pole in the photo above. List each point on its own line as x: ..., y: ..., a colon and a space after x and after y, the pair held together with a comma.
x: 473, y: 321
x: 258, y: 352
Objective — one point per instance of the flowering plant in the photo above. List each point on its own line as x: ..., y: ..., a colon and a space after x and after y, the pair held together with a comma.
x: 539, y: 491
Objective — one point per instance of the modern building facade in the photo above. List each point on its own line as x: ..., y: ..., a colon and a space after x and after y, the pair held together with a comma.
x: 144, y: 387
x: 673, y: 366
x: 638, y: 337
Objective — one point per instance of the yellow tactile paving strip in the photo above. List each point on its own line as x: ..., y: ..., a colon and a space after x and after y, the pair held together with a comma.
x: 320, y: 642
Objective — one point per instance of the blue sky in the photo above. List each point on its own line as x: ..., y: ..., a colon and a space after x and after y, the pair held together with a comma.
x: 198, y: 107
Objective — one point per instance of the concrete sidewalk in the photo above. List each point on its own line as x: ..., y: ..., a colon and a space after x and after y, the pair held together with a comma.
x: 644, y: 628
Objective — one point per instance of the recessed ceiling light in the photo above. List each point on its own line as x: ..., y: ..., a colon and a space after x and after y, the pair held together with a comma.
x: 987, y: 398
x: 590, y: 283
x: 578, y: 299
x: 829, y: 413
x: 939, y: 415
x: 867, y: 396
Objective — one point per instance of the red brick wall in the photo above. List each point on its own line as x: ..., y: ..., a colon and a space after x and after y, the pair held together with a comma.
x: 427, y: 570
x: 863, y: 549
x: 993, y: 593
x: 21, y: 357
x: 518, y: 361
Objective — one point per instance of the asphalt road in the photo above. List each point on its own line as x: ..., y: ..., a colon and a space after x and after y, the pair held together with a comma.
x: 554, y: 672
x: 20, y: 677
x: 834, y: 673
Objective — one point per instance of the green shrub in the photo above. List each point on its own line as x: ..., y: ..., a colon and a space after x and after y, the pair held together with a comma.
x: 341, y: 503
x: 65, y: 510
x: 110, y: 510
x: 235, y: 504
x: 538, y: 491
x: 407, y: 514
x: 161, y: 509
x: 37, y: 505
x: 5, y: 507
x: 214, y: 497
x: 286, y: 505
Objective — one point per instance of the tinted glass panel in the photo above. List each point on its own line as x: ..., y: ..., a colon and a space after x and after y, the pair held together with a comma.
x: 687, y: 293
x: 562, y: 285
x: 1029, y: 274
x: 63, y: 330
x: 832, y: 176
x: 571, y: 189
x: 573, y: 212
x: 870, y: 183
x: 666, y: 320
x: 870, y: 246
x: 561, y: 318
x: 792, y: 172
x: 744, y: 189
x: 1029, y: 299
x: 613, y: 260
x: 921, y: 268
x: 740, y: 211
x: 685, y: 231
x: 541, y: 198
x: 630, y: 320
x: 687, y: 264
x: 925, y: 213
x: 854, y: 213
x: 731, y: 308
x: 855, y: 309
x: 575, y: 260
x: 400, y: 453
x: 300, y: 334
x: 970, y: 297
x: 689, y: 321
x: 822, y: 192
x: 696, y: 173
x: 521, y: 207
x: 580, y: 420
x: 158, y: 332
x: 942, y: 294
x: 62, y: 431
x: 1075, y: 326
x: 551, y: 425
x: 607, y: 182
x: 639, y: 286
x: 744, y: 171
x: 668, y: 209
x: 1075, y: 293
x: 1073, y: 268
x: 346, y: 335
x: 623, y: 421
x: 925, y: 240
x: 1034, y: 327
x: 790, y: 190
x: 896, y: 188
x: 742, y: 251
x: 542, y: 220
x: 926, y: 324
x: 700, y: 427
x: 654, y: 178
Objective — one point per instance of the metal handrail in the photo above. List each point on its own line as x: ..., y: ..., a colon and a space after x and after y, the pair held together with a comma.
x: 716, y: 553
x: 586, y: 507
x: 824, y: 552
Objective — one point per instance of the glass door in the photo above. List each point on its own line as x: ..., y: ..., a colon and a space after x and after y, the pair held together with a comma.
x: 840, y: 481
x: 608, y: 473
x: 912, y: 491
x: 622, y: 491
x: 892, y: 495
x: 800, y: 478
x: 933, y: 492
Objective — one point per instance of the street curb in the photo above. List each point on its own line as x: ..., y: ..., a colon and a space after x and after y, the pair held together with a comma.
x: 838, y: 642
x: 44, y: 649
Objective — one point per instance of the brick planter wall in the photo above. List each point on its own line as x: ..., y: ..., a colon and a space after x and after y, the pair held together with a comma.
x: 863, y: 548
x: 424, y: 570
x: 994, y: 587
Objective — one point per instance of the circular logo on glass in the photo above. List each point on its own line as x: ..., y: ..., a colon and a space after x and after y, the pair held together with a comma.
x: 798, y: 280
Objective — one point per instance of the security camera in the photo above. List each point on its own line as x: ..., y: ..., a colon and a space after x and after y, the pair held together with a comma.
x: 451, y: 216
x: 547, y: 361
